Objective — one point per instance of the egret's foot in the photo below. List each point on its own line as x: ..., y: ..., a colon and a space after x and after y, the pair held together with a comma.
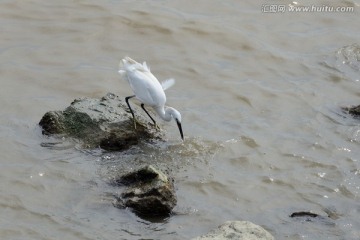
x: 157, y: 127
x: 135, y: 121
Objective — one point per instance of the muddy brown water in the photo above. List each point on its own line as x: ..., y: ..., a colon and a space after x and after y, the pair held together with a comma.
x: 259, y: 91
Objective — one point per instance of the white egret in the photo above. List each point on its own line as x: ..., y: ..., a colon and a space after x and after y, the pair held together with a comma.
x: 148, y: 91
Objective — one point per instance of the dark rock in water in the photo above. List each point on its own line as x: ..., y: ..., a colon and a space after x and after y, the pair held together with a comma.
x: 116, y: 142
x: 304, y: 214
x: 142, y: 175
x: 51, y: 123
x: 307, y: 216
x: 149, y: 192
x: 101, y: 122
x: 354, y: 111
x: 107, y: 123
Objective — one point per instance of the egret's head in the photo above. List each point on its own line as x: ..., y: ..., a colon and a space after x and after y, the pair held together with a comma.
x: 177, y: 116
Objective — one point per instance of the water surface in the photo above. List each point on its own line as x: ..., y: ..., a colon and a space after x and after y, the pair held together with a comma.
x: 260, y: 96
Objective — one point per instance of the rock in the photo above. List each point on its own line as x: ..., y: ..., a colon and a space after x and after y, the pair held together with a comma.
x: 354, y: 111
x: 304, y: 214
x: 349, y: 56
x: 101, y: 122
x: 239, y: 230
x: 309, y: 216
x: 149, y: 192
x: 51, y: 123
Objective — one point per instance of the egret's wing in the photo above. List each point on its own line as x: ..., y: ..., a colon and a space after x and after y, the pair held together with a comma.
x: 168, y: 83
x: 143, y: 83
x: 128, y: 65
x: 146, y: 88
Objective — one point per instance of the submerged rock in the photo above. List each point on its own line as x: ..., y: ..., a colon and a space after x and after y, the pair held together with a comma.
x: 103, y: 122
x: 237, y: 230
x: 354, y: 111
x: 309, y: 216
x: 349, y: 56
x: 304, y: 214
x: 149, y: 192
x: 347, y: 61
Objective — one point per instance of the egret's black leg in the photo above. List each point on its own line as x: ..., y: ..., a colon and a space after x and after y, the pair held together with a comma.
x: 143, y: 107
x: 131, y: 111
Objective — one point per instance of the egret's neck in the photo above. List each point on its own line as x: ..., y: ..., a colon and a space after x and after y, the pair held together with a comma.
x: 165, y: 114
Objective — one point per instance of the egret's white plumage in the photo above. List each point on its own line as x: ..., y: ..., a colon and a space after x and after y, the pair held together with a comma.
x: 148, y: 89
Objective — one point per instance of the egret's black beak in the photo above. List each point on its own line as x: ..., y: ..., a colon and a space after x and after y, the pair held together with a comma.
x: 180, y: 129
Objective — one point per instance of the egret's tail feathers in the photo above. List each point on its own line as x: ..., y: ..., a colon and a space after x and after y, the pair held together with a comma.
x: 146, y: 66
x: 127, y: 60
x: 128, y: 64
x: 168, y: 83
